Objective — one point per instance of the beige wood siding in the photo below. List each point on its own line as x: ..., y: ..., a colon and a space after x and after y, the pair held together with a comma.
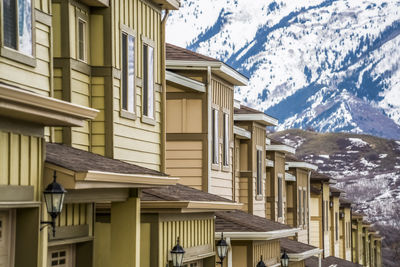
x: 21, y: 161
x: 272, y: 191
x: 297, y: 263
x: 36, y: 79
x: 184, y: 115
x: 239, y: 256
x: 75, y: 214
x: 195, y: 232
x: 98, y: 131
x: 316, y: 221
x: 185, y: 160
x: 269, y: 250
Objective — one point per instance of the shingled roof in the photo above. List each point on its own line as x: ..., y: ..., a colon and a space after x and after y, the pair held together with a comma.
x: 317, y: 176
x: 330, y: 261
x: 240, y: 221
x: 78, y: 160
x: 179, y: 192
x: 247, y: 110
x: 174, y: 52
x: 292, y: 246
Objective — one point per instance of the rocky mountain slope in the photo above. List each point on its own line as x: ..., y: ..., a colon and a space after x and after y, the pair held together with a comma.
x: 335, y: 63
x: 367, y: 167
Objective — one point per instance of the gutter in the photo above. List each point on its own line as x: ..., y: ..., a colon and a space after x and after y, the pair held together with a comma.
x: 304, y: 255
x: 259, y: 235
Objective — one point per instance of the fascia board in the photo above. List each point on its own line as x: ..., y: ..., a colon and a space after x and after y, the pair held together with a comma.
x: 259, y: 235
x: 186, y: 82
x: 260, y: 117
x: 290, y: 177
x: 236, y: 103
x: 97, y: 176
x: 302, y: 165
x: 190, y: 206
x: 243, y: 133
x: 269, y: 163
x: 267, y: 141
x: 304, y: 255
x: 240, y: 79
x: 58, y: 112
x: 281, y: 148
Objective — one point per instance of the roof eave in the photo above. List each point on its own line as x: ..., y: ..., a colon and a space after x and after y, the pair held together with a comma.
x: 281, y: 148
x: 270, y: 235
x: 185, y: 82
x: 258, y: 117
x: 168, y: 4
x: 220, y: 68
x: 241, y: 133
x: 302, y: 165
x: 190, y: 206
x: 21, y: 104
x: 304, y: 255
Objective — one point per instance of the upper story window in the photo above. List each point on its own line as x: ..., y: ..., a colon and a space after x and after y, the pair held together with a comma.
x: 280, y: 196
x: 17, y: 25
x: 128, y: 72
x: 148, y: 81
x: 259, y: 172
x: 215, y: 143
x: 226, y: 139
x: 82, y: 40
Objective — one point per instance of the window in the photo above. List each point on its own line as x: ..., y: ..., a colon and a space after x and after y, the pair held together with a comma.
x: 280, y: 200
x: 61, y: 256
x: 304, y: 207
x: 300, y: 206
x: 336, y: 226
x: 81, y: 40
x: 128, y: 72
x: 326, y: 210
x: 226, y: 139
x: 17, y: 25
x: 259, y: 172
x: 215, y: 136
x: 148, y: 81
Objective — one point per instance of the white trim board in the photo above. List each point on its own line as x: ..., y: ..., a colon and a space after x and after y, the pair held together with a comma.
x: 242, y: 133
x: 259, y: 117
x: 281, y: 148
x: 184, y: 81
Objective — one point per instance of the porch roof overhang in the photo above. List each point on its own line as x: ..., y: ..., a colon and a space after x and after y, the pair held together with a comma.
x: 241, y: 133
x: 185, y: 82
x: 269, y: 163
x: 17, y: 103
x: 304, y: 255
x: 290, y: 177
x: 168, y: 4
x: 217, y: 67
x: 302, y: 165
x: 96, y: 3
x: 187, y: 206
x: 261, y: 118
x: 270, y: 235
x: 281, y: 148
x: 101, y: 180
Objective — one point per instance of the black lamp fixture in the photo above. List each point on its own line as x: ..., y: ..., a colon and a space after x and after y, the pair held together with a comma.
x: 285, y: 259
x: 177, y: 253
x: 331, y: 204
x: 261, y: 263
x: 222, y: 249
x: 54, y: 198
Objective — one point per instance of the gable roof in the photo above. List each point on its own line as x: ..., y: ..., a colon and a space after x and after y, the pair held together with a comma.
x: 174, y: 52
x: 294, y: 162
x: 298, y: 251
x: 317, y: 176
x: 275, y: 145
x: 241, y: 225
x: 329, y: 262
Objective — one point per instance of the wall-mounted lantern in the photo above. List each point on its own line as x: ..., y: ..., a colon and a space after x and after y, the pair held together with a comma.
x: 341, y: 214
x: 54, y: 198
x: 177, y: 253
x: 285, y: 259
x: 261, y: 263
x: 222, y: 249
x: 331, y: 204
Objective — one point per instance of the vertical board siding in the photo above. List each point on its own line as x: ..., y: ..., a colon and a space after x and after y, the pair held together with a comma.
x: 36, y: 79
x: 192, y: 233
x: 184, y: 160
x: 269, y: 250
x: 21, y: 161
x: 75, y: 214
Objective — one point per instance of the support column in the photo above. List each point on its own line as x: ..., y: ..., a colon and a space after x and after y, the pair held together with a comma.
x: 125, y: 233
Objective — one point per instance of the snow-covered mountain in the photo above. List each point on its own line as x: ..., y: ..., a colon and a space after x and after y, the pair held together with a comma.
x: 329, y: 65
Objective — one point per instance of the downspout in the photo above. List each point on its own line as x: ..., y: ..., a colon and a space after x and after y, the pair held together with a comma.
x: 209, y: 133
x: 308, y: 206
x: 163, y: 92
x: 229, y: 262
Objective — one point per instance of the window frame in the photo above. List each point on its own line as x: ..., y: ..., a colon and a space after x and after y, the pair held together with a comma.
x: 226, y: 134
x: 126, y: 113
x: 149, y: 43
x: 305, y: 201
x: 215, y: 135
x: 336, y: 226
x: 280, y: 195
x: 259, y: 177
x: 16, y: 54
x: 85, y: 19
x: 300, y: 203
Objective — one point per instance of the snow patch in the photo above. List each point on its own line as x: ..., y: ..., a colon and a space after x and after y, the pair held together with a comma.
x: 382, y: 156
x: 324, y: 156
x: 358, y: 142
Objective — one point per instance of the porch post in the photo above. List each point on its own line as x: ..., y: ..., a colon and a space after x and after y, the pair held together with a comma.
x: 125, y: 233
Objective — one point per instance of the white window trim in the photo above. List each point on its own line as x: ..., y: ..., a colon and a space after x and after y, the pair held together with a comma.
x: 215, y: 135
x: 80, y: 17
x: 150, y: 43
x: 226, y: 139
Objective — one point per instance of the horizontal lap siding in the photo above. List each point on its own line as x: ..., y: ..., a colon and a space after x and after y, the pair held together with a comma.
x: 192, y: 233
x: 98, y: 124
x: 21, y: 161
x: 184, y: 160
x: 35, y: 79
